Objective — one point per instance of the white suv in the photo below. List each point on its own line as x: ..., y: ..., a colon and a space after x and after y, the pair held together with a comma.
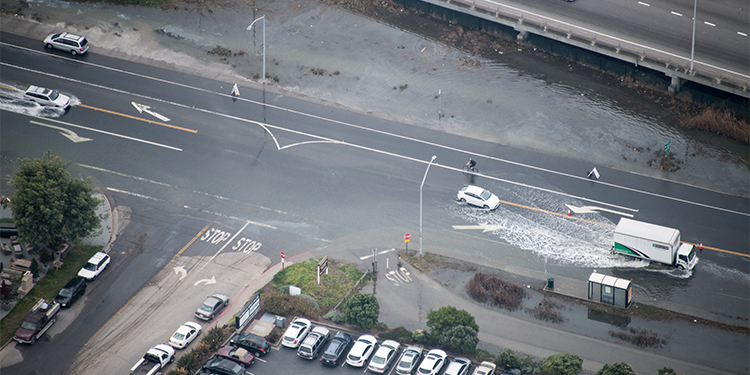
x: 47, y: 97
x: 75, y: 44
x: 95, y: 266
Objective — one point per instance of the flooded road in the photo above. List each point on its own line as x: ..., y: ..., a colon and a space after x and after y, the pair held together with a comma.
x: 329, y: 55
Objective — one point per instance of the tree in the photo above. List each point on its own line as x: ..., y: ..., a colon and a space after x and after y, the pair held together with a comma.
x: 666, y: 371
x: 362, y: 310
x: 508, y: 359
x: 448, y: 317
x: 460, y: 338
x: 50, y: 206
x: 619, y: 368
x: 563, y: 364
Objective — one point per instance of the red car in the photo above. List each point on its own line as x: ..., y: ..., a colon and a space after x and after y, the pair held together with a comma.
x: 236, y: 354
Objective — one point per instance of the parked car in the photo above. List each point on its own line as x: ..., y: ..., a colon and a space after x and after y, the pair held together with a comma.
x: 458, y: 366
x: 94, y: 266
x: 212, y: 306
x: 313, y: 343
x: 336, y: 349
x: 485, y: 368
x: 185, y: 335
x: 432, y: 363
x: 476, y: 196
x: 296, y: 332
x: 75, y: 44
x: 223, y: 366
x: 71, y: 291
x: 383, y: 358
x: 409, y: 360
x: 46, y: 97
x: 361, y: 350
x: 237, y: 354
x: 258, y: 345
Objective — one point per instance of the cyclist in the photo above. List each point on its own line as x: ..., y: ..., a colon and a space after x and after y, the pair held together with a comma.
x: 471, y: 164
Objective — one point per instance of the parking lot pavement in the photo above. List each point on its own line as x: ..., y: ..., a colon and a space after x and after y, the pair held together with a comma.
x: 284, y: 361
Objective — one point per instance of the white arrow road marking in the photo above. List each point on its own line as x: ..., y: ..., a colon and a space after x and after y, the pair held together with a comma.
x: 595, y: 210
x: 180, y: 270
x: 67, y: 133
x: 485, y: 227
x: 144, y: 108
x: 210, y: 281
x: 107, y: 133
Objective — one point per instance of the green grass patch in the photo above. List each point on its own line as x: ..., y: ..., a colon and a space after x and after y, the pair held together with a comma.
x: 340, y: 279
x: 7, y: 220
x: 47, y: 288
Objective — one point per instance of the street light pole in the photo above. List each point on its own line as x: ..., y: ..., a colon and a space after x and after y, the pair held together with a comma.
x: 692, y: 46
x: 263, y: 79
x: 264, y: 42
x: 420, y: 202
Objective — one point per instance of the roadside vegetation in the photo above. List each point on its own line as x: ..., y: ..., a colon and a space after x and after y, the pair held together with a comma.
x: 47, y: 288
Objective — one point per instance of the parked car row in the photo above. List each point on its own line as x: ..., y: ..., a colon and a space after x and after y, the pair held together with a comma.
x: 76, y: 287
x: 379, y: 358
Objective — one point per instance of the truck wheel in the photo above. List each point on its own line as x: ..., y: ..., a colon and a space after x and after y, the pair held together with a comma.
x: 680, y: 267
x: 171, y: 359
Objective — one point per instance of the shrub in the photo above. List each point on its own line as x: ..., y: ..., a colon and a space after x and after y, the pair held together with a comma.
x: 335, y: 316
x: 178, y: 371
x: 362, y: 310
x: 483, y: 355
x: 189, y: 362
x: 545, y: 310
x: 420, y: 337
x: 34, y: 268
x: 399, y: 334
x: 460, y: 338
x: 214, y: 338
x: 380, y: 326
x: 493, y: 290
x: 508, y: 359
x: 563, y: 364
x: 620, y: 368
x: 285, y: 304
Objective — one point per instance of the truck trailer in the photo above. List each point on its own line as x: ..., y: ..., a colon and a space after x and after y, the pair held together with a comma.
x: 654, y: 243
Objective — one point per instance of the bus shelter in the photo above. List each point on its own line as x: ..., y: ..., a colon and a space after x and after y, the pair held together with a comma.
x: 610, y: 290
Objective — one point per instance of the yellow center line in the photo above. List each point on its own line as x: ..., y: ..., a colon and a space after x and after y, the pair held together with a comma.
x: 140, y: 291
x: 138, y: 118
x: 612, y: 226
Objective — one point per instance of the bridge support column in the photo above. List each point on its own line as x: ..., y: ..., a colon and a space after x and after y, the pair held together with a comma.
x: 522, y: 35
x: 676, y: 84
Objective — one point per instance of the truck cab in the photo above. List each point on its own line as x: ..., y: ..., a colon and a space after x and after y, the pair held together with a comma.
x: 686, y: 258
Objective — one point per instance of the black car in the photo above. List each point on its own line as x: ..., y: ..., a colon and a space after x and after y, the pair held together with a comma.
x: 71, y: 291
x: 336, y: 350
x: 222, y: 366
x: 253, y: 343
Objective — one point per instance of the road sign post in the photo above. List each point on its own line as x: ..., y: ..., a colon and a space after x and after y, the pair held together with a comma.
x: 322, y: 266
x: 407, y: 238
x: 283, y: 258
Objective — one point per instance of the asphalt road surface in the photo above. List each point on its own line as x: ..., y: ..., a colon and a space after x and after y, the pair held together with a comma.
x: 308, y: 176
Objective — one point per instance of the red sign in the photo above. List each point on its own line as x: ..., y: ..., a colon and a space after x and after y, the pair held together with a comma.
x: 407, y: 237
x: 283, y: 256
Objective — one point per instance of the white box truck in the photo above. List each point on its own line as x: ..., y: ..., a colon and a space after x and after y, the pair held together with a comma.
x: 653, y: 243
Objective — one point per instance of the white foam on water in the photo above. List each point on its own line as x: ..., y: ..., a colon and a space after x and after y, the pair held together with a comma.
x: 582, y: 243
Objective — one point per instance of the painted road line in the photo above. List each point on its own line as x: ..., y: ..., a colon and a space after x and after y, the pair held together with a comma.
x: 137, y: 118
x: 379, y: 253
x: 108, y: 133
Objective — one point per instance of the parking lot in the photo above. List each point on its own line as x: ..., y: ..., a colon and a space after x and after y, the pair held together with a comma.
x: 284, y: 361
